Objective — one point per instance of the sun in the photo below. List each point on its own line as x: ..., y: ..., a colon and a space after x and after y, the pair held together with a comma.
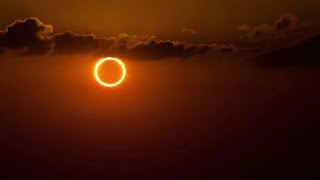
x: 101, y: 61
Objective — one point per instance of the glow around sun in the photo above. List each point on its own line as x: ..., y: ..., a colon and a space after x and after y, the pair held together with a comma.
x: 96, y: 71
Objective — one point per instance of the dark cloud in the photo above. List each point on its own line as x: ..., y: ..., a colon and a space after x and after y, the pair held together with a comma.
x: 73, y: 43
x: 158, y: 49
x: 267, y: 32
x: 124, y: 45
x: 226, y: 49
x: 29, y: 35
x: 69, y: 43
x: 304, y: 52
x: 193, y: 49
x: 286, y: 22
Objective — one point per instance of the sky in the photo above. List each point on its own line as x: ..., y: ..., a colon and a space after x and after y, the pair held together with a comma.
x: 214, y: 20
x: 213, y: 90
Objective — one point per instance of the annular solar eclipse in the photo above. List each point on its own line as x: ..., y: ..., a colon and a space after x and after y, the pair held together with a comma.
x: 96, y: 72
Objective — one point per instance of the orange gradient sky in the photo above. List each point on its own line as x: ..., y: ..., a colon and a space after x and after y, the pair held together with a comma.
x: 214, y: 89
x: 212, y: 19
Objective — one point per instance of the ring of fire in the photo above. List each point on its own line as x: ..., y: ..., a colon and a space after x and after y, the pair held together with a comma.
x: 101, y: 61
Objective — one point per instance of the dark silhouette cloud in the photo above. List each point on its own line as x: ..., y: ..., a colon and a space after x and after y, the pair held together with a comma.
x: 148, y: 47
x: 69, y: 43
x: 265, y: 32
x: 226, y: 49
x: 158, y: 49
x: 304, y: 52
x: 285, y: 22
x: 29, y: 35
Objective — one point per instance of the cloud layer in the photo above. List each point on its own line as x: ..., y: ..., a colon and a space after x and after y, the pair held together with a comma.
x: 33, y: 37
x: 279, y: 29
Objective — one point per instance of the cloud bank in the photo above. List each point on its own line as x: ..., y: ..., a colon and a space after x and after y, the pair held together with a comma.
x: 33, y: 37
x: 263, y: 32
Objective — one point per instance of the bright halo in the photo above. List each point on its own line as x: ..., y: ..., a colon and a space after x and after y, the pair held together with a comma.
x: 101, y: 61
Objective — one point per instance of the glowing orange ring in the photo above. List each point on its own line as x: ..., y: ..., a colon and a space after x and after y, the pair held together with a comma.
x: 96, y: 69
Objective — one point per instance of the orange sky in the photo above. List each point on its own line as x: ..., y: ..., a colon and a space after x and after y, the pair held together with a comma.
x: 192, y: 104
x: 212, y: 19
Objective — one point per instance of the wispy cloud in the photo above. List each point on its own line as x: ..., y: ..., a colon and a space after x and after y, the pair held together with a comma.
x: 188, y: 30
